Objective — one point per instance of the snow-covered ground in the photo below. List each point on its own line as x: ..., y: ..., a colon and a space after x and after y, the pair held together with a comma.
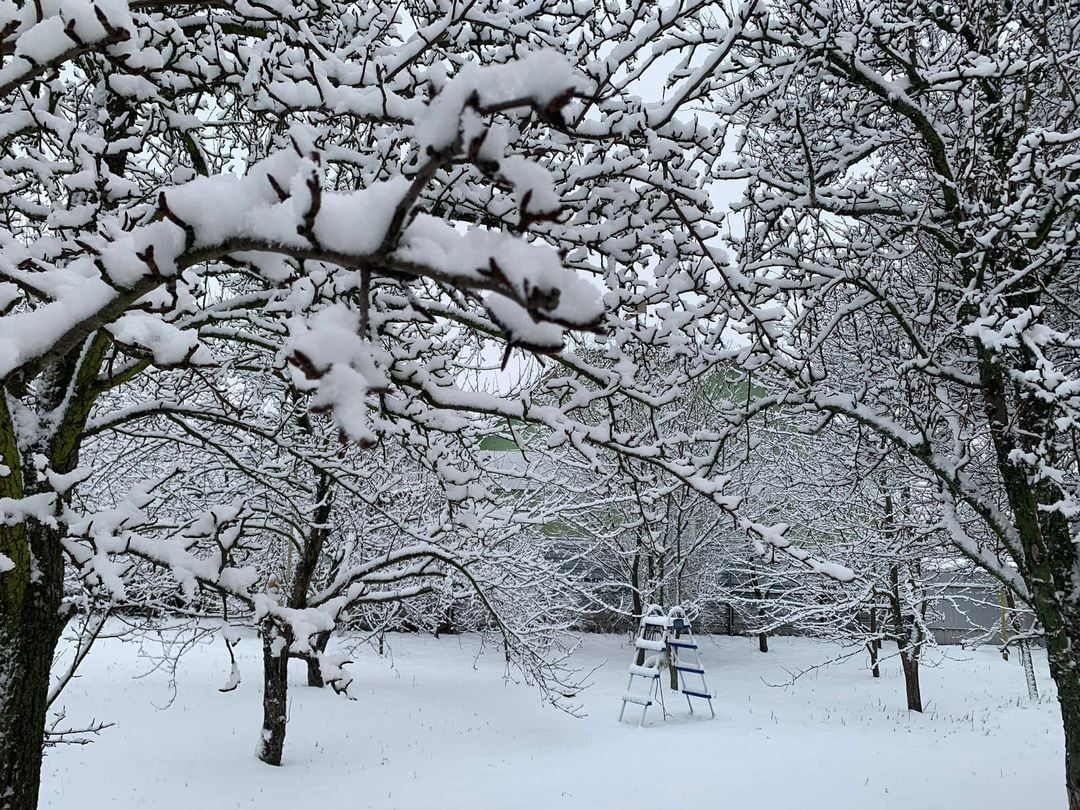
x: 437, y: 727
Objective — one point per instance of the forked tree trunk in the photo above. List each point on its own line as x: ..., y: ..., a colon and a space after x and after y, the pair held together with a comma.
x: 275, y: 693
x: 32, y: 616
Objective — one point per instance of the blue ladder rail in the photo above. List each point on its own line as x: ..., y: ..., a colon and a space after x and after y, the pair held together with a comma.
x: 682, y: 644
x: 693, y: 670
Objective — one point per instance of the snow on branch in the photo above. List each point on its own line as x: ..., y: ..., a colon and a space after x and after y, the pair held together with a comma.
x: 281, y: 206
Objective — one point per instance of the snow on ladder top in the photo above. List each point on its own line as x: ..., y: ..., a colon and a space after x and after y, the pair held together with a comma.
x: 649, y: 644
x: 656, y: 621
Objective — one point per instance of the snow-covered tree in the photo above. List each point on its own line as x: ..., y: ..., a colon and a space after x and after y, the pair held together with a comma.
x: 180, y: 181
x: 909, y: 261
x: 358, y: 193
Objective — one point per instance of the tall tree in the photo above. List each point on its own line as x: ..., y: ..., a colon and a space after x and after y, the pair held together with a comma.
x: 909, y: 259
x: 116, y: 265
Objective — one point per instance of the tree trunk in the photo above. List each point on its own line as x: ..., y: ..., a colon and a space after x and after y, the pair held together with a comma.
x: 762, y: 638
x: 32, y: 614
x: 446, y: 625
x: 1061, y: 623
x: 275, y: 693
x: 314, y: 669
x: 909, y: 659
x: 30, y: 625
x: 1068, y: 684
x: 1049, y: 557
x: 874, y: 645
x: 1029, y: 669
x: 310, y: 554
x: 26, y: 655
x: 908, y: 641
x: 1023, y: 644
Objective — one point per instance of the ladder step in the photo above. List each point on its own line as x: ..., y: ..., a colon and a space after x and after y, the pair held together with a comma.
x: 648, y: 644
x: 686, y: 645
x: 655, y: 621
x: 644, y: 672
x: 694, y: 670
x: 638, y: 699
x: 697, y: 694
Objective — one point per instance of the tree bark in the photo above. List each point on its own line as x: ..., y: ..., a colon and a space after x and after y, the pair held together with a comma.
x: 1049, y: 557
x: 874, y: 645
x: 909, y: 659
x: 314, y: 669
x: 762, y: 638
x: 1061, y: 623
x: 310, y: 555
x: 1068, y: 685
x: 32, y: 614
x: 28, y: 639
x: 1024, y: 646
x: 446, y: 625
x: 1029, y: 669
x: 275, y: 693
x: 31, y: 620
x: 909, y: 643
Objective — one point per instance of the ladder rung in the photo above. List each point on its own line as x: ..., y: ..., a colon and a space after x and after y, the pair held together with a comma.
x: 695, y: 670
x: 640, y: 701
x: 648, y: 644
x: 655, y: 621
x: 686, y: 645
x: 696, y: 694
x: 644, y: 672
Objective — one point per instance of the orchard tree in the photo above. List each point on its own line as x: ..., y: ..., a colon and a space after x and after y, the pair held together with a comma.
x: 318, y: 146
x: 192, y: 188
x: 908, y: 259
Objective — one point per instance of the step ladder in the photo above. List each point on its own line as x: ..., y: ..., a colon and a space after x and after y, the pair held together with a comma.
x: 665, y: 641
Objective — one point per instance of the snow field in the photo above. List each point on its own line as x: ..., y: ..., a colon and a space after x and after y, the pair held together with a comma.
x: 434, y: 725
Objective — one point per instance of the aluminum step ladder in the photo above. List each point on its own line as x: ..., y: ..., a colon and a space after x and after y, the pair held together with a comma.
x: 665, y: 641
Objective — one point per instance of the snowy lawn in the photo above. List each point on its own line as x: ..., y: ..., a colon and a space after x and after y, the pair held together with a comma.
x: 435, y: 726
